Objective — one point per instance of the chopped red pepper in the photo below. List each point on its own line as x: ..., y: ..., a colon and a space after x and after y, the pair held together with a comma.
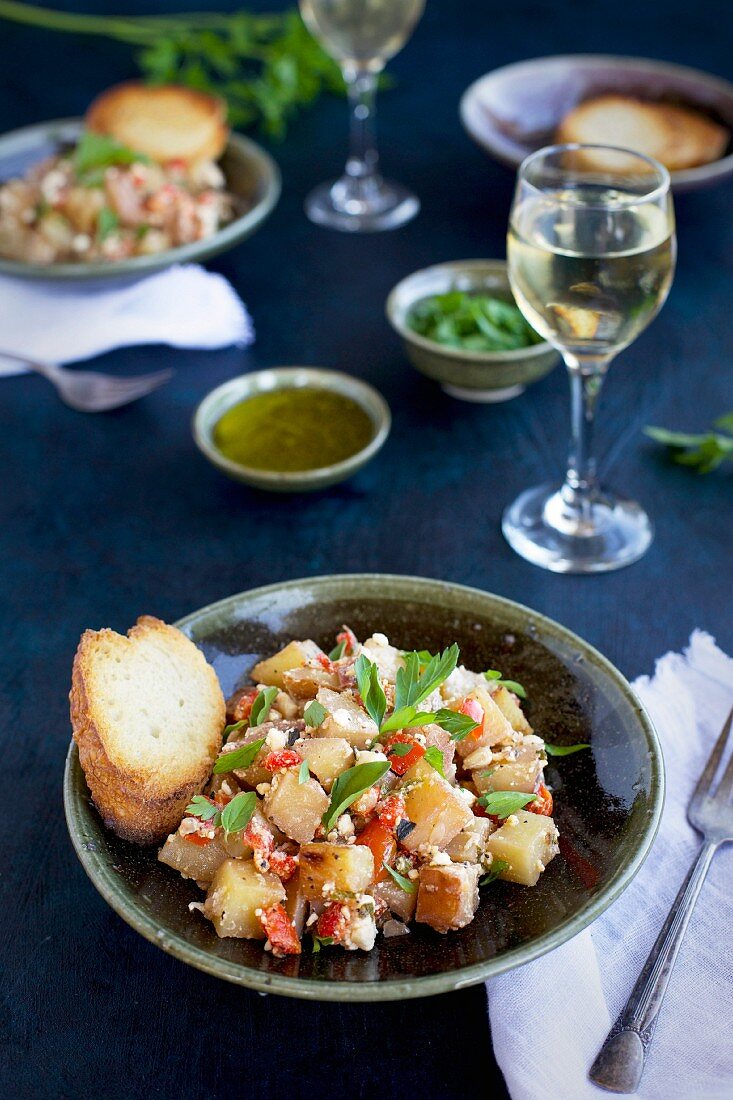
x: 283, y: 864
x: 261, y: 841
x: 241, y: 710
x: 380, y: 840
x: 196, y: 838
x: 277, y: 761
x: 542, y: 803
x: 325, y: 662
x: 333, y: 922
x: 400, y: 764
x: 474, y: 710
x: 280, y: 931
x: 391, y: 810
x: 347, y: 637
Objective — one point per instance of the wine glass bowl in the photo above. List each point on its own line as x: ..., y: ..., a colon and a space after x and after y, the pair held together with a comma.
x: 591, y: 252
x: 361, y: 36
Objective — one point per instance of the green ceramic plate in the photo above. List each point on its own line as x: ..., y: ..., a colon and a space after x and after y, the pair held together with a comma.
x: 251, y: 176
x: 608, y: 800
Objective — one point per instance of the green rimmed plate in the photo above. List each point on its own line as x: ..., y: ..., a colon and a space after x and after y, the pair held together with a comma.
x: 252, y: 176
x: 608, y: 800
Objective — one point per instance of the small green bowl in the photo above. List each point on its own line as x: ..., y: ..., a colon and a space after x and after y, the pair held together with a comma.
x: 216, y: 403
x: 471, y: 375
x: 251, y: 175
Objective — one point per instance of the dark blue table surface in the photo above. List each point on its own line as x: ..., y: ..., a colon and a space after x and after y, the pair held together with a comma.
x: 104, y: 518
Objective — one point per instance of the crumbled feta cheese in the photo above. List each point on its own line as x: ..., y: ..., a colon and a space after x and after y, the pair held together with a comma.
x: 345, y: 825
x: 512, y: 820
x: 361, y: 932
x: 263, y: 788
x: 440, y: 859
x: 413, y: 874
x: 328, y: 888
x: 276, y: 740
x: 479, y: 758
x: 311, y: 920
x: 468, y: 796
x: 196, y: 905
x: 368, y: 756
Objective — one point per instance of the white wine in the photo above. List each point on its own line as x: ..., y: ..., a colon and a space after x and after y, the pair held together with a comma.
x: 589, y: 267
x: 361, y: 34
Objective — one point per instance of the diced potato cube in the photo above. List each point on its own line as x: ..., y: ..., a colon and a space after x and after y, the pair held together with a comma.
x: 511, y: 709
x: 470, y: 844
x: 527, y: 846
x: 327, y: 757
x: 521, y: 774
x: 304, y: 683
x: 447, y: 896
x: 199, y: 862
x: 496, y: 728
x: 399, y: 902
x: 348, y: 867
x: 346, y: 718
x: 438, y: 810
x: 294, y: 655
x: 295, y: 807
x: 286, y: 706
x: 237, y: 890
x: 255, y: 773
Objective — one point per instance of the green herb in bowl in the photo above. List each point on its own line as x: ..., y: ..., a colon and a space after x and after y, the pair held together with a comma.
x: 473, y: 322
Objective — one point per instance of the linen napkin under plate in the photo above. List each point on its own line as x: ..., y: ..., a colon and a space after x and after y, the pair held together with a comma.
x: 550, y: 1017
x: 184, y: 306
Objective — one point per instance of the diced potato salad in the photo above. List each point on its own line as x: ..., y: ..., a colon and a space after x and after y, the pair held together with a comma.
x: 360, y: 790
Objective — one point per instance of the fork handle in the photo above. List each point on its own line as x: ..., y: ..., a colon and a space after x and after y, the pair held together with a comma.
x: 620, y: 1061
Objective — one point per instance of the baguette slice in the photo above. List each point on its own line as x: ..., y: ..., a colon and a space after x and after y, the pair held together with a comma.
x: 147, y: 713
x: 679, y: 137
x: 166, y: 123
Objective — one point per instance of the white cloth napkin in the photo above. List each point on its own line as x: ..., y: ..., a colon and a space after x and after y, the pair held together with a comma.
x: 549, y: 1018
x: 186, y: 307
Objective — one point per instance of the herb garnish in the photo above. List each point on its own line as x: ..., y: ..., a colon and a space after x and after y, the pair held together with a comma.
x: 498, y: 866
x: 236, y: 814
x: 349, y: 785
x: 511, y: 685
x: 338, y: 651
x: 261, y: 706
x: 400, y: 749
x: 503, y: 803
x: 321, y: 941
x: 434, y: 757
x: 402, y: 881
x: 201, y: 807
x: 242, y: 757
x: 303, y: 772
x: 704, y: 452
x: 315, y: 714
x: 107, y: 222
x: 563, y: 750
x: 475, y: 322
x: 97, y: 151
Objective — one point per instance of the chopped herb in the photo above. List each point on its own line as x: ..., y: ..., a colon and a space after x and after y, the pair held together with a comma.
x: 457, y: 725
x: 349, y: 785
x: 141, y: 232
x: 563, y: 750
x: 498, y: 866
x: 511, y: 685
x: 201, y: 807
x: 321, y: 941
x: 95, y: 151
x: 487, y: 773
x: 338, y: 651
x: 406, y: 718
x: 402, y: 881
x: 704, y: 452
x: 261, y: 706
x: 503, y: 803
x: 400, y: 749
x: 404, y: 828
x: 107, y: 222
x: 304, y: 772
x: 434, y: 757
x: 370, y: 689
x: 228, y: 730
x: 315, y: 714
x: 242, y: 757
x: 236, y: 814
x: 474, y: 322
x: 416, y: 681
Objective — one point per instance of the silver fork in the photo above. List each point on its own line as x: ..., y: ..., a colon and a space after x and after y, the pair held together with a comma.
x: 620, y: 1062
x: 89, y: 391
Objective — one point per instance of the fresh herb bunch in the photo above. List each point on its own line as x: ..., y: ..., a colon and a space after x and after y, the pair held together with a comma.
x: 266, y: 67
x: 704, y: 452
x: 473, y: 322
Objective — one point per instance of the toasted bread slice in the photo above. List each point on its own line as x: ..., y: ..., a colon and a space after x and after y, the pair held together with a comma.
x: 147, y: 713
x: 166, y: 122
x: 678, y: 137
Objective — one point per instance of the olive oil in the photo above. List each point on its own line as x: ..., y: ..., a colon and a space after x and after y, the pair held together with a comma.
x: 293, y: 429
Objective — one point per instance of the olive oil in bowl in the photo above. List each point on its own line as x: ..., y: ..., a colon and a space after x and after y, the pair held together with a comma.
x: 292, y: 429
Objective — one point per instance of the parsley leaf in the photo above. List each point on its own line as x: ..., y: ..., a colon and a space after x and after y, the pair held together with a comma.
x: 261, y: 706
x: 228, y: 730
x: 400, y: 749
x: 511, y: 685
x: 349, y: 785
x: 416, y: 681
x: 321, y: 941
x: 304, y: 772
x: 705, y: 452
x: 503, y: 803
x: 242, y: 757
x: 434, y: 757
x: 370, y: 688
x: 498, y: 866
x: 563, y: 750
x: 236, y: 814
x: 457, y: 725
x: 94, y: 151
x: 201, y: 807
x: 314, y: 714
x: 405, y: 883
x: 338, y: 651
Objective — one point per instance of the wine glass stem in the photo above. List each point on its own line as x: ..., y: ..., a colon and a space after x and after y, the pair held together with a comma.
x: 363, y: 163
x: 586, y: 380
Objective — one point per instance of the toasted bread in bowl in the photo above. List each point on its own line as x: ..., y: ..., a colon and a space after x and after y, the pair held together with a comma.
x: 147, y: 715
x: 678, y: 137
x: 166, y: 123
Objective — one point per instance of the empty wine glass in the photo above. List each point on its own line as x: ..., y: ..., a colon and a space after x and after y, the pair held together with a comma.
x: 361, y: 35
x: 591, y: 252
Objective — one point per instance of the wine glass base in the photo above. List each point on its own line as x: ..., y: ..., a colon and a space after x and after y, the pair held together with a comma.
x: 539, y: 526
x: 386, y: 205
x: 482, y: 397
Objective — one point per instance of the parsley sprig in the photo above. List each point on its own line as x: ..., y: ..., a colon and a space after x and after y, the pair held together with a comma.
x: 503, y: 803
x: 495, y: 677
x: 704, y: 452
x: 233, y: 818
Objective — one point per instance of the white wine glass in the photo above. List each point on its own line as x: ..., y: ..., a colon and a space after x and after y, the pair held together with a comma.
x: 591, y: 252
x: 361, y: 36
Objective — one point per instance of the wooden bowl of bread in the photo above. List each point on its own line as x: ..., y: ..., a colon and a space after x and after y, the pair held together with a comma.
x: 680, y: 116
